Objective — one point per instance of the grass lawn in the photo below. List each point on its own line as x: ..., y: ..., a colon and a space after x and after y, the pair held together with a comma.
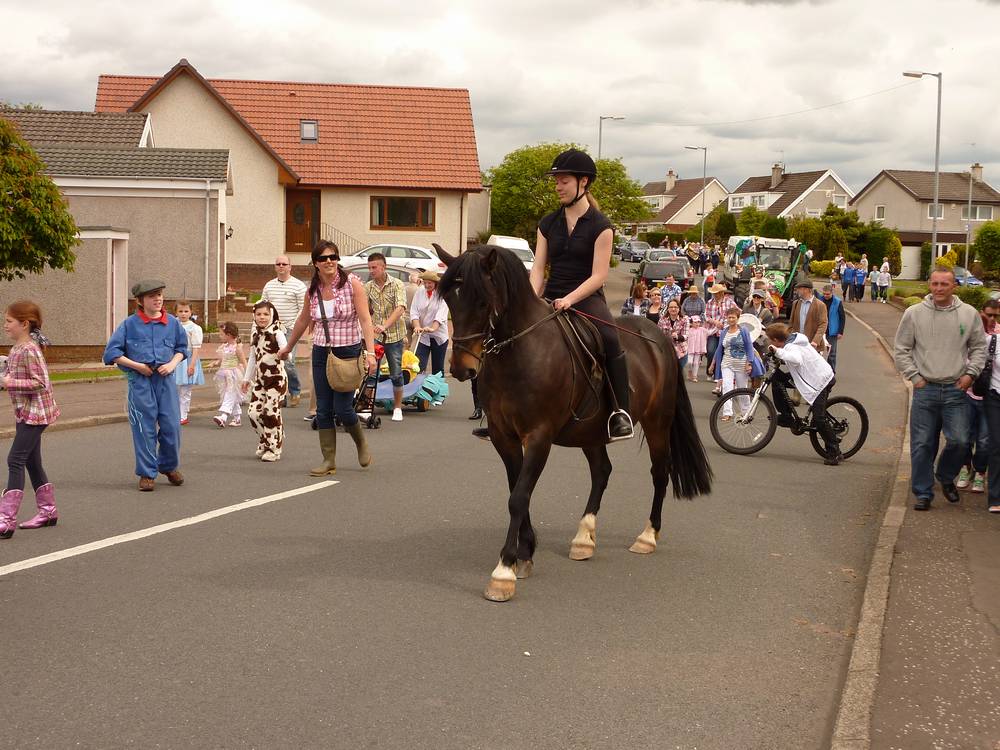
x: 83, y: 374
x: 909, y: 288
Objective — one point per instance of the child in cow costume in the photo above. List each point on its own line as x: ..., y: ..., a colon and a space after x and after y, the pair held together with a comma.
x: 266, y: 380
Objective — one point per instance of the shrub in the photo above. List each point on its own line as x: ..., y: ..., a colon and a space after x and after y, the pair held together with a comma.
x: 895, y: 292
x: 987, y: 245
x: 821, y: 268
x: 911, y: 301
x: 653, y: 238
x: 925, y: 261
x: 973, y: 295
x: 948, y: 260
x: 895, y: 255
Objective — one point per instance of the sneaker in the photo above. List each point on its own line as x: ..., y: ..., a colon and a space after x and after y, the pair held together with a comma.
x: 308, y: 417
x: 184, y: 421
x: 236, y: 422
x: 994, y: 507
x: 979, y: 483
x: 950, y: 492
x: 268, y: 456
x: 963, y: 478
x: 220, y: 420
x: 397, y: 415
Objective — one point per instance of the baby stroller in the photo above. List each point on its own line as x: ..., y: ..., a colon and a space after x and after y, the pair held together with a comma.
x: 364, y: 401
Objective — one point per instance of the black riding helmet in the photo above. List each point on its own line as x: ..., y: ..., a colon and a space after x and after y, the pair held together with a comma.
x: 577, y: 163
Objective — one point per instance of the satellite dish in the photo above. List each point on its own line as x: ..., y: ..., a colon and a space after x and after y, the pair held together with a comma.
x: 752, y: 323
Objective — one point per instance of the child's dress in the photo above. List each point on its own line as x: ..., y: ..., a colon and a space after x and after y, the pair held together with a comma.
x: 185, y: 382
x: 228, y: 380
x: 268, y: 384
x: 698, y: 340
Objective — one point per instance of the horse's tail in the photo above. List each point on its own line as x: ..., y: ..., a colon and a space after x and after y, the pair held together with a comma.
x: 690, y: 472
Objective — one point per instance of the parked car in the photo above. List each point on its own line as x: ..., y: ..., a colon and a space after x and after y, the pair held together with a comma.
x: 964, y: 278
x: 659, y: 253
x: 396, y: 271
x: 634, y: 250
x: 518, y: 245
x: 411, y: 256
x: 655, y: 272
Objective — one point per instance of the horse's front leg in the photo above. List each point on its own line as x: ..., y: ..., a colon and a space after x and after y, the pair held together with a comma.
x: 585, y: 542
x: 536, y: 453
x: 512, y: 455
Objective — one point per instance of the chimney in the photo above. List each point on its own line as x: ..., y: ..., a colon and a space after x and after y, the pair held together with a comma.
x: 777, y: 173
x: 977, y: 172
x: 670, y: 182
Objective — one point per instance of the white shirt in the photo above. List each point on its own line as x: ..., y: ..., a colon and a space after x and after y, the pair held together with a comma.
x: 287, y: 298
x: 808, y: 369
x: 425, y: 310
x: 195, y: 335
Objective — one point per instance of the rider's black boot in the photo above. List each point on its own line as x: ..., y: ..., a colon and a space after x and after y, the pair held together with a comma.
x: 620, y: 424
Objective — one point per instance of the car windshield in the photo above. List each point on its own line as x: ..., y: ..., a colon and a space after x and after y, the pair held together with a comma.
x: 659, y: 254
x: 640, y: 245
x: 660, y: 269
x: 775, y: 258
x: 522, y: 254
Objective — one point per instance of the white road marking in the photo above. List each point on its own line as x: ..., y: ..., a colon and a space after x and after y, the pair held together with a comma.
x: 111, y: 541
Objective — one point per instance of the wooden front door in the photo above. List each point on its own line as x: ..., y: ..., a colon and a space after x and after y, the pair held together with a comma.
x: 301, y: 220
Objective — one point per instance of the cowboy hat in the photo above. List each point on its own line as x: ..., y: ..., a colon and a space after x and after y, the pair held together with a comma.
x: 716, y: 288
x: 430, y: 276
x: 692, y: 290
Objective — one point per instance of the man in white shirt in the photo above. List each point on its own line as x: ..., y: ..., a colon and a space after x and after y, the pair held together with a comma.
x: 287, y: 294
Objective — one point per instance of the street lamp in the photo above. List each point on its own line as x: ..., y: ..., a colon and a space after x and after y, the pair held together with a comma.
x: 937, y: 155
x: 600, y: 130
x: 704, y: 173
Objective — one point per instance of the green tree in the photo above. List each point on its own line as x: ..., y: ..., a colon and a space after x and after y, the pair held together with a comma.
x: 895, y: 255
x: 837, y: 242
x: 36, y: 228
x: 726, y: 227
x: 750, y: 220
x: 775, y: 227
x: 987, y: 245
x: 711, y: 226
x: 522, y: 193
x: 814, y: 233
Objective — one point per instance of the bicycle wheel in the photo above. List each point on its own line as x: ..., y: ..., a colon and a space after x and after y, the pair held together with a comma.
x: 746, y: 432
x: 850, y: 421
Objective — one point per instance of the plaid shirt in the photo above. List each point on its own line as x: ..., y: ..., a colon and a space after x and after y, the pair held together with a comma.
x: 30, y: 389
x: 383, y: 302
x: 717, y: 311
x: 345, y: 329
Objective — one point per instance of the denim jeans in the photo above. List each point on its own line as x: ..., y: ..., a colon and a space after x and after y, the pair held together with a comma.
x: 294, y: 386
x: 832, y: 359
x: 328, y: 401
x: 436, y: 354
x: 979, y: 437
x: 937, y: 408
x: 991, y: 406
x: 394, y: 357
x: 711, y: 344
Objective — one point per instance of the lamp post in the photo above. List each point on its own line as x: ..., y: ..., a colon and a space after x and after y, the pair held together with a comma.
x: 600, y: 130
x: 937, y: 155
x: 704, y: 177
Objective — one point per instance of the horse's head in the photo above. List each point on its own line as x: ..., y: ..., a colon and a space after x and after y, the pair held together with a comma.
x: 479, y: 287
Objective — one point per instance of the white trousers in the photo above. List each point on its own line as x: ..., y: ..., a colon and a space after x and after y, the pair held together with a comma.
x: 732, y: 379
x: 231, y: 401
x: 184, y: 392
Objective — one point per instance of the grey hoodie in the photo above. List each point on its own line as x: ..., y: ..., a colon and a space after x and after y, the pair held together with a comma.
x: 940, y: 344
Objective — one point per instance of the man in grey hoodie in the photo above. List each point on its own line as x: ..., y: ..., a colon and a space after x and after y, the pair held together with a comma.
x: 940, y: 347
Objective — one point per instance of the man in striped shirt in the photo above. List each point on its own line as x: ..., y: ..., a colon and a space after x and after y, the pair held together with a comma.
x: 287, y: 294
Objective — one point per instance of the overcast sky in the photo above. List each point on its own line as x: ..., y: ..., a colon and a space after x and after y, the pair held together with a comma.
x: 546, y: 71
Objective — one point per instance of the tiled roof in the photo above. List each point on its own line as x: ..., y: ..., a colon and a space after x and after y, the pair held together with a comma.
x: 792, y: 186
x: 369, y: 136
x: 953, y: 188
x: 680, y: 195
x: 108, y: 128
x: 81, y: 161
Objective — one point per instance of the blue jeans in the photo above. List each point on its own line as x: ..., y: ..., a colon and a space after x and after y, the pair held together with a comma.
x: 832, y: 359
x: 294, y: 386
x: 711, y: 344
x: 979, y: 437
x: 328, y: 401
x: 394, y: 358
x: 436, y: 352
x: 991, y: 405
x: 937, y: 408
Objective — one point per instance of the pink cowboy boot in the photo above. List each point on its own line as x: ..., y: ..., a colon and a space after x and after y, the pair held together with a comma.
x: 45, y: 499
x: 9, y: 505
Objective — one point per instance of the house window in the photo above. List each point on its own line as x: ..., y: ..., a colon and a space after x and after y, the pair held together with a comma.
x: 930, y: 211
x: 402, y: 213
x: 979, y: 213
x: 737, y: 202
x: 840, y: 201
x: 308, y: 131
x: 879, y: 213
x: 813, y: 212
x: 759, y: 200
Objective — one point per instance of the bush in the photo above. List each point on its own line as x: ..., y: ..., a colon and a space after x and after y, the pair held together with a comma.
x: 894, y: 292
x: 925, y: 261
x: 973, y: 295
x: 911, y: 301
x: 821, y: 268
x: 895, y: 255
x: 948, y: 260
x: 987, y: 245
x: 653, y: 238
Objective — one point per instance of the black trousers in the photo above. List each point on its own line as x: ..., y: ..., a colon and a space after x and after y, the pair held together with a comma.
x: 26, y: 451
x: 817, y: 412
x: 596, y: 306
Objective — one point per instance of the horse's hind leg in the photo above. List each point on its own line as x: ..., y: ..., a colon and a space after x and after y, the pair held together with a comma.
x: 525, y: 548
x: 659, y: 454
x: 583, y: 544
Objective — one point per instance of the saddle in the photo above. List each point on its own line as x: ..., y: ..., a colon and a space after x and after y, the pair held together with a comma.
x: 586, y: 351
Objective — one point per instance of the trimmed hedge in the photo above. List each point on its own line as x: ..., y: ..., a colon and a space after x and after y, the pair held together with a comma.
x: 821, y: 268
x: 973, y: 295
x: 911, y: 301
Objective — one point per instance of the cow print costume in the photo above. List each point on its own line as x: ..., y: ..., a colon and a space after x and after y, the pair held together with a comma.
x: 268, y: 387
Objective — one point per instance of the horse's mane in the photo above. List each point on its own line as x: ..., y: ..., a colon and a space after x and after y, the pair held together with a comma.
x: 489, y: 274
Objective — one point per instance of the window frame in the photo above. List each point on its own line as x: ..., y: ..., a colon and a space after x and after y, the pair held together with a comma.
x: 977, y: 209
x: 875, y: 216
x: 422, y: 200
x: 842, y: 197
x: 930, y: 213
x: 302, y: 131
x: 758, y: 201
x: 737, y: 201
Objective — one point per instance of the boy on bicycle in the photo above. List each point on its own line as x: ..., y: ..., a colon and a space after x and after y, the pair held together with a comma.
x: 811, y: 375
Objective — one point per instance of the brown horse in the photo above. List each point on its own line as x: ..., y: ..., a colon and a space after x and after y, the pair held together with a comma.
x: 538, y: 388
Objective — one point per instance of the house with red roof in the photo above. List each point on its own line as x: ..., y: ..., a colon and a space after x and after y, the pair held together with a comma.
x: 787, y: 194
x: 678, y: 203
x: 355, y: 164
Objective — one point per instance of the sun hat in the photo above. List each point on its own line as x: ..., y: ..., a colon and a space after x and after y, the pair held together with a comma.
x: 692, y: 290
x: 430, y: 276
x: 147, y: 286
x: 716, y: 288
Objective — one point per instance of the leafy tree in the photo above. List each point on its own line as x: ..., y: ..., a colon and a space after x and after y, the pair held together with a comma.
x: 895, y: 255
x: 987, y: 245
x: 522, y: 194
x: 837, y: 241
x: 711, y: 227
x: 36, y: 228
x: 948, y: 260
x: 775, y: 227
x: 750, y: 220
x: 22, y: 105
x: 813, y: 232
x: 726, y: 227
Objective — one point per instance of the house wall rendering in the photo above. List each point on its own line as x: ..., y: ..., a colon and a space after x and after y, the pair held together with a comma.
x: 904, y: 212
x: 691, y: 213
x: 814, y: 202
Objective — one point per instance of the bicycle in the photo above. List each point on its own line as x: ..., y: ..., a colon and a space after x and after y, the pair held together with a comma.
x: 750, y: 429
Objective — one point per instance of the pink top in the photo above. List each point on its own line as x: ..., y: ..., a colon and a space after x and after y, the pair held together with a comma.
x: 341, y: 317
x: 698, y: 340
x: 30, y: 389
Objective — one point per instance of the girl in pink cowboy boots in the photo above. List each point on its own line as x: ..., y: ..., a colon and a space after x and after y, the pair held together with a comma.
x: 27, y: 381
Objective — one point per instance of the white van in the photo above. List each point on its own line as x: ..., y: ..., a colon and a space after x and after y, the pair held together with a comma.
x: 518, y: 245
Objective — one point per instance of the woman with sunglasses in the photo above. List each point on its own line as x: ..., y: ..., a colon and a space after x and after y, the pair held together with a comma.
x: 339, y: 325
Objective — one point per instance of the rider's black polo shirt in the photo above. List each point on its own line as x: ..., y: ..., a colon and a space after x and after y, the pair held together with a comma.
x: 571, y: 258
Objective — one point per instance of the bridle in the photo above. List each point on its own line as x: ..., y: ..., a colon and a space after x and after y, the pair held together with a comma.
x: 490, y: 345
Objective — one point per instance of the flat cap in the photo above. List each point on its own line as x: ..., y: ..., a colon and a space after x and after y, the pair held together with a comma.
x: 146, y: 286
x: 804, y: 285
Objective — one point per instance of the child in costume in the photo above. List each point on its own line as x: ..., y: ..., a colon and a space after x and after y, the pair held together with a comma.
x: 266, y: 379
x: 148, y: 346
x: 27, y: 380
x: 697, y: 346
x: 191, y: 375
x: 229, y: 377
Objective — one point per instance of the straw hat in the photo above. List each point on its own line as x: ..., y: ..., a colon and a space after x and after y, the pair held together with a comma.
x: 716, y: 288
x: 692, y: 290
x: 430, y: 276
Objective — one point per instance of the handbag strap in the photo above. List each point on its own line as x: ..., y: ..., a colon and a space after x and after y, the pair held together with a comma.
x: 326, y: 323
x: 993, y: 347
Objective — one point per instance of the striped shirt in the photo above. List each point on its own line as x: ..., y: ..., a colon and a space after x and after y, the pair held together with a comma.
x: 341, y: 316
x: 287, y: 298
x: 383, y: 302
x: 30, y: 389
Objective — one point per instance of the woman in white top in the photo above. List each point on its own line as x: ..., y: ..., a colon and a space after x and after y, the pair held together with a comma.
x: 429, y: 314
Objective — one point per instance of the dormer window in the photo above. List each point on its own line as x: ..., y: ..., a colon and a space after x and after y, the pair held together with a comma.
x: 309, y: 131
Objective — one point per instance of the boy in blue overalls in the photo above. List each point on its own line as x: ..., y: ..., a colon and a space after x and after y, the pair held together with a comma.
x: 147, y: 347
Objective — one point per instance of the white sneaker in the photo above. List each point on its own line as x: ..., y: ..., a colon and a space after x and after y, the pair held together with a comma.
x: 963, y: 478
x: 397, y: 415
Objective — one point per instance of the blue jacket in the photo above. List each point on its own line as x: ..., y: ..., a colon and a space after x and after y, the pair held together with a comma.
x: 836, y: 318
x: 152, y: 343
x: 848, y: 276
x: 756, y: 366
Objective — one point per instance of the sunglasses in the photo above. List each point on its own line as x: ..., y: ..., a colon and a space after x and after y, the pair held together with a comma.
x: 282, y: 264
x: 991, y: 315
x: 324, y: 258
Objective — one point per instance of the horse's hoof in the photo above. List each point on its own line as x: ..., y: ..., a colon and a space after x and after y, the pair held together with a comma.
x: 583, y: 544
x: 499, y: 591
x: 581, y: 551
x: 523, y: 568
x: 642, y: 547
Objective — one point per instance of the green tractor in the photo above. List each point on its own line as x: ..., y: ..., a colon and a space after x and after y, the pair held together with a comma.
x: 779, y: 262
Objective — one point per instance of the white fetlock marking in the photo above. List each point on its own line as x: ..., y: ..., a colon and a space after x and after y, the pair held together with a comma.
x: 648, y: 535
x: 503, y: 573
x: 586, y: 534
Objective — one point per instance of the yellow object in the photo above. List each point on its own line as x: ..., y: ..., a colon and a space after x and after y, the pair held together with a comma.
x: 410, y: 362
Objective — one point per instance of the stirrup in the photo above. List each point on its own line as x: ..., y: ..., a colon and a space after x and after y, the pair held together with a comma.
x: 631, y: 426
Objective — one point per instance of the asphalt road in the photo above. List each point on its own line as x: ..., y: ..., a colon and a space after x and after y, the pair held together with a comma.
x: 352, y: 616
